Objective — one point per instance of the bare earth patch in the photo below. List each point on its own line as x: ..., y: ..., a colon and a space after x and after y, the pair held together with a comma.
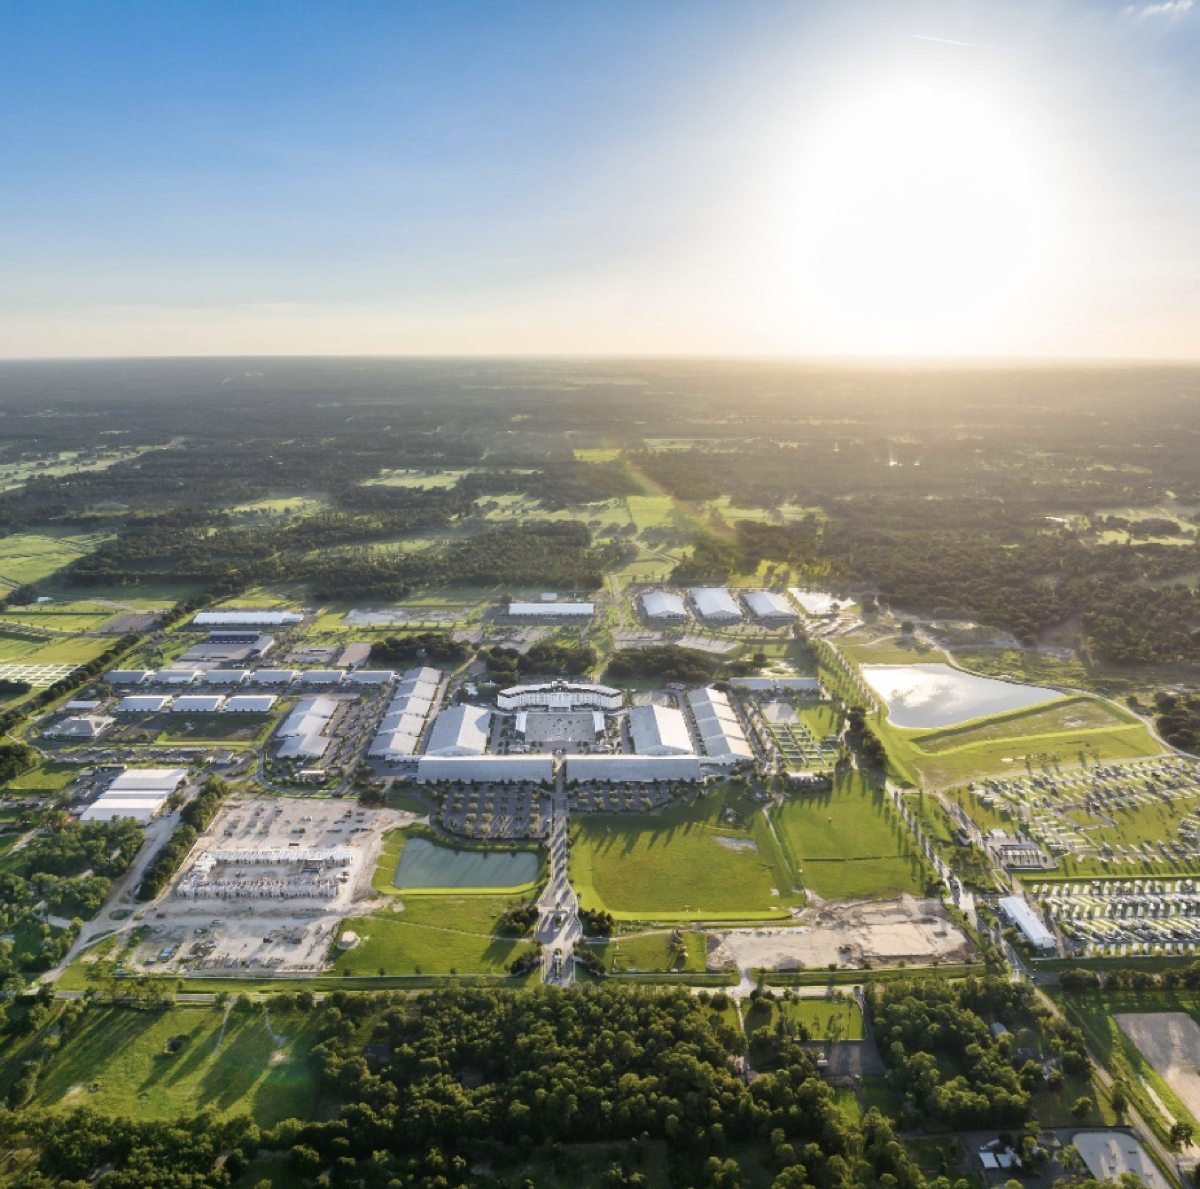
x: 737, y: 844
x: 1170, y: 1041
x: 906, y: 929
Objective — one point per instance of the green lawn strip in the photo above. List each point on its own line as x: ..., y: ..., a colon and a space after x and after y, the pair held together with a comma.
x: 119, y: 1060
x: 689, y: 861
x: 848, y: 841
x: 846, y: 978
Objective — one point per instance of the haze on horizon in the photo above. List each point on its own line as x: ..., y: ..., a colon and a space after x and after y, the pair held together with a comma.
x: 909, y: 177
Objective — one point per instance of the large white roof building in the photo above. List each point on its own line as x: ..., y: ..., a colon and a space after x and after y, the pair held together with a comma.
x: 128, y: 676
x: 659, y: 731
x: 249, y: 704
x: 560, y: 695
x: 622, y: 769
x: 766, y: 604
x: 507, y: 769
x: 250, y: 619
x: 663, y: 605
x: 197, y: 704
x: 460, y: 731
x: 552, y: 610
x: 720, y: 730
x: 715, y: 604
x: 311, y: 746
x: 142, y: 704
x: 273, y: 676
x: 83, y: 726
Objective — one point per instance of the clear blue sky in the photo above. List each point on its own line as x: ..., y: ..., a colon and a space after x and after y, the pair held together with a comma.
x: 664, y: 176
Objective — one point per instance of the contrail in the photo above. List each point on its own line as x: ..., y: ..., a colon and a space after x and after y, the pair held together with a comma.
x: 972, y: 45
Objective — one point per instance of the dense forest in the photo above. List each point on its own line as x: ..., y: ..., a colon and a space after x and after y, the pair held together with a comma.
x: 448, y: 1089
x: 999, y: 496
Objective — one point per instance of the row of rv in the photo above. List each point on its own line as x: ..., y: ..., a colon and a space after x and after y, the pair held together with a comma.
x: 273, y: 677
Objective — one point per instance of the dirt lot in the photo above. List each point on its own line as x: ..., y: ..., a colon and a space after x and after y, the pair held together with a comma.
x: 249, y: 931
x: 908, y: 929
x: 1170, y: 1041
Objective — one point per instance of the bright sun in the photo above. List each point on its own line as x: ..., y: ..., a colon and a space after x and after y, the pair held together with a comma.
x: 909, y: 220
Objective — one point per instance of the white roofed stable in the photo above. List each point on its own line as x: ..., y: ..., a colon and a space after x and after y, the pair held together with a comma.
x: 177, y: 676
x: 142, y: 704
x: 371, y: 677
x: 422, y: 673
x: 274, y: 676
x: 507, y: 769
x: 549, y: 610
x: 250, y: 619
x: 224, y: 676
x: 662, y: 604
x: 128, y: 676
x: 720, y: 730
x: 659, y: 731
x: 560, y: 695
x: 249, y: 704
x: 323, y: 676
x: 198, y: 704
x: 1019, y: 913
x: 460, y: 731
x: 766, y: 604
x: 715, y: 603
x: 627, y: 769
x: 107, y: 809
x: 394, y: 745
x: 309, y: 747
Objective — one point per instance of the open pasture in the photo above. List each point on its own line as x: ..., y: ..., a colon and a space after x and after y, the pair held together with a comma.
x: 71, y: 618
x: 849, y: 841
x: 708, y: 858
x: 183, y: 1059
x: 31, y: 557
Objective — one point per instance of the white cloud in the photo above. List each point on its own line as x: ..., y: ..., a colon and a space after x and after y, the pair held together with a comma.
x: 1165, y: 8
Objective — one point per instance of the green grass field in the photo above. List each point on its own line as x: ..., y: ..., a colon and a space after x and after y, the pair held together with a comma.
x: 710, y: 858
x: 31, y: 557
x: 441, y: 934
x: 119, y: 1061
x: 651, y: 952
x: 825, y: 1019
x: 849, y: 842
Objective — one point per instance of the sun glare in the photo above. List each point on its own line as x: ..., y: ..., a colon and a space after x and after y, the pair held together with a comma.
x: 909, y: 219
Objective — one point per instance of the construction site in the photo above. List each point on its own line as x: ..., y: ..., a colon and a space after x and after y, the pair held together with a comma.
x: 265, y: 888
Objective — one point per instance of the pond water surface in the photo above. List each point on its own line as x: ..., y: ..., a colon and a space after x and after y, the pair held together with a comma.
x: 425, y: 864
x: 935, y: 695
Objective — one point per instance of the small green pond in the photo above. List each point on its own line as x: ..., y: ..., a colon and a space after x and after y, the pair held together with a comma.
x: 425, y: 864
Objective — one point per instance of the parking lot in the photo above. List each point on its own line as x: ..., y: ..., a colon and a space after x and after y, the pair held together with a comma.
x: 265, y: 888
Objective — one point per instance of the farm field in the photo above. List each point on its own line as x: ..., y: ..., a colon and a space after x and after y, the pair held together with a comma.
x: 73, y: 618
x: 31, y: 557
x: 442, y: 934
x: 849, y: 842
x: 120, y: 1060
x: 708, y: 858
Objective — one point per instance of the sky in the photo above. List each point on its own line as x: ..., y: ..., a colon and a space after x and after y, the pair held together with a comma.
x: 759, y: 177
